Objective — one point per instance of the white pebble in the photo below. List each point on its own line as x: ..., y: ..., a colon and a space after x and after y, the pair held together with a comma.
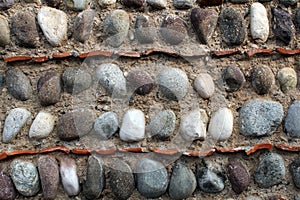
x: 133, y: 126
x: 259, y: 23
x: 221, y: 124
x: 42, y: 125
x: 69, y: 176
x: 204, y: 85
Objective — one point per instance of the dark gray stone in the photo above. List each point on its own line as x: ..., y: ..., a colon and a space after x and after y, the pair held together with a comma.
x: 53, y: 3
x: 262, y: 79
x: 183, y: 4
x: 133, y: 3
x: 173, y: 30
x: 6, y: 4
x: 233, y: 78
x: 76, y: 80
x: 237, y: 175
x: 295, y: 171
x: 1, y: 81
x: 163, y: 124
x: 106, y: 125
x: 239, y: 1
x: 83, y: 25
x: 140, y: 81
x: 297, y: 19
x: 291, y: 124
x: 49, y: 88
x: 7, y: 189
x: 158, y: 4
x: 144, y: 29
x: 288, y: 2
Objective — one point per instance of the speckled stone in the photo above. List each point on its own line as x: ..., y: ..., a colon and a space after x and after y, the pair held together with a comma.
x: 237, y: 175
x: 14, y: 122
x: 106, y: 125
x: 152, y: 178
x: 234, y: 78
x: 116, y: 27
x: 6, y: 4
x: 42, y: 125
x: 53, y: 3
x: 25, y: 177
x: 4, y: 31
x: 133, y: 3
x: 291, y: 124
x: 7, y: 189
x: 221, y: 124
x: 95, y: 178
x: 162, y: 125
x: 297, y: 19
x: 260, y: 117
x: 133, y: 126
x: 183, y: 182
x: 69, y: 177
x: 49, y: 175
x: 18, y: 84
x: 232, y: 27
x: 288, y: 2
x: 287, y: 78
x: 262, y: 79
x: 77, y: 4
x: 106, y: 3
x: 183, y: 4
x: 259, y: 23
x: 158, y: 4
x: 140, y: 81
x: 204, y: 85
x: 270, y: 170
x: 144, y: 29
x: 173, y: 30
x: 283, y: 26
x: 294, y: 168
x: 76, y: 80
x: 173, y: 83
x: 83, y: 25
x: 49, y: 88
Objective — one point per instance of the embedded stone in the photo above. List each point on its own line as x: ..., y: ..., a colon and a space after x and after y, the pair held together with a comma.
x: 144, y: 29
x: 221, y: 124
x: 68, y: 174
x: 291, y: 124
x: 6, y: 4
x: 83, y: 25
x: 77, y: 4
x: 162, y: 125
x: 140, y: 82
x: 204, y: 85
x: 7, y: 189
x: 262, y: 79
x: 234, y: 78
x: 158, y: 4
x: 106, y: 125
x: 183, y: 4
x: 4, y: 31
x: 49, y: 88
x: 259, y: 23
x: 287, y: 78
x: 133, y: 126
x: 76, y: 80
x: 173, y: 30
x: 237, y: 175
x: 42, y: 125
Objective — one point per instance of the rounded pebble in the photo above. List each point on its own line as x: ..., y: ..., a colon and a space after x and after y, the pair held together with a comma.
x: 294, y: 168
x: 83, y: 25
x: 204, y: 85
x: 133, y: 126
x: 291, y: 124
x: 162, y: 125
x: 287, y: 78
x: 262, y: 79
x: 144, y: 31
x: 259, y: 23
x: 6, y: 4
x: 140, y: 82
x: 68, y: 174
x: 106, y: 125
x: 106, y: 3
x: 173, y: 83
x: 7, y: 189
x: 237, y: 175
x: 183, y: 4
x: 77, y: 4
x: 133, y: 3
x: 173, y: 30
x: 158, y: 4
x: 4, y: 31
x: 234, y: 78
x: 76, y: 80
x: 49, y: 88
x: 42, y: 125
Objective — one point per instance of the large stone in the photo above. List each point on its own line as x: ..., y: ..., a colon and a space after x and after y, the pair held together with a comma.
x: 162, y: 125
x: 42, y: 125
x: 133, y: 3
x: 140, y: 81
x: 49, y: 88
x: 133, y: 126
x: 83, y: 25
x: 145, y: 31
x: 259, y: 23
x: 158, y: 4
x: 106, y: 125
x: 53, y: 3
x: 76, y: 80
x: 204, y: 85
x: 4, y: 31
x: 262, y: 79
x: 77, y: 4
x: 294, y: 168
x: 173, y: 29
x: 221, y: 124
x: 183, y: 4
x: 106, y: 3
x: 287, y: 78
x: 69, y: 177
x: 238, y: 175
x: 7, y: 189
x: 288, y: 2
x: 233, y: 78
x: 291, y: 124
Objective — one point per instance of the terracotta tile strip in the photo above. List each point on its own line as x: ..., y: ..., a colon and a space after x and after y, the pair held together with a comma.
x: 61, y: 55
x: 129, y: 54
x: 288, y: 52
x: 230, y: 150
x: 21, y: 152
x: 199, y: 153
x: 56, y: 148
x: 17, y: 58
x: 134, y: 150
x: 95, y: 53
x: 285, y: 147
x: 165, y: 151
x: 253, y: 52
x: 225, y: 53
x: 258, y: 147
x: 40, y: 59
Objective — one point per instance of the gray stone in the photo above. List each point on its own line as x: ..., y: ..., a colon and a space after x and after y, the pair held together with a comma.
x: 6, y: 4
x: 7, y: 189
x: 221, y: 124
x: 270, y: 170
x: 68, y: 174
x: 25, y: 177
x: 204, y: 85
x: 173, y: 29
x: 54, y: 24
x: 152, y: 178
x: 260, y: 117
x: 18, y: 84
x: 233, y: 78
x: 106, y: 125
x: 162, y: 125
x: 140, y: 81
x: 144, y: 29
x: 252, y: 198
x: 76, y: 80
x: 232, y: 27
x: 262, y: 79
x: 133, y: 126
x: 42, y: 125
x: 287, y: 78
x: 116, y: 27
x: 14, y: 122
x: 294, y: 168
x: 77, y: 4
x: 83, y: 25
x: 95, y: 178
x: 158, y: 4
x: 173, y: 83
x: 237, y: 175
x: 183, y: 182
x: 49, y: 88
x: 106, y: 3
x: 259, y: 23
x: 291, y: 124
x: 297, y: 19
x: 288, y: 2
x: 183, y: 4
x: 4, y: 31
x: 297, y: 197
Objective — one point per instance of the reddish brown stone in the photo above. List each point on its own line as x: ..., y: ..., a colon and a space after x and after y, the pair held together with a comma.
x: 49, y: 88
x: 238, y: 175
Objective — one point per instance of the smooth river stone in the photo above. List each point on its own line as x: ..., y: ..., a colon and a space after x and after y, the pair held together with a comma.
x: 4, y: 31
x: 106, y: 125
x: 221, y: 124
x: 133, y: 126
x: 145, y: 32
x: 42, y: 125
x: 262, y: 79
x: 162, y: 125
x: 49, y: 88
x: 291, y: 124
x: 83, y: 25
x: 69, y: 178
x: 173, y: 29
x: 287, y: 78
x: 237, y: 175
x: 259, y: 23
x: 204, y: 85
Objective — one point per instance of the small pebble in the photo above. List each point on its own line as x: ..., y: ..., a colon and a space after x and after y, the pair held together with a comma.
x: 173, y: 30
x: 204, y: 22
x: 68, y: 174
x: 76, y: 80
x: 288, y: 2
x: 232, y: 27
x: 54, y: 24
x: 18, y: 84
x: 54, y: 3
x: 49, y: 88
x: 283, y: 26
x: 144, y: 30
x: 287, y: 78
x: 133, y: 126
x: 75, y: 124
x: 221, y: 124
x: 6, y: 4
x: 83, y: 25
x: 77, y: 4
x: 270, y: 170
x: 42, y: 125
x: 233, y: 78
x: 106, y: 125
x: 95, y: 178
x: 49, y: 175
x: 158, y: 4
x: 297, y: 19
x: 121, y: 179
x: 173, y: 83
x: 262, y: 79
x: 193, y: 125
x: 152, y: 178
x: 162, y: 125
x: 294, y: 168
x: 133, y: 3
x: 204, y: 85
x: 237, y: 175
x: 183, y: 4
x: 14, y: 122
x: 183, y: 182
x: 291, y: 124
x: 116, y: 27
x: 4, y: 31
x: 260, y: 117
x: 7, y: 189
x: 25, y: 177
x: 259, y: 23
x: 106, y: 3
x: 140, y: 82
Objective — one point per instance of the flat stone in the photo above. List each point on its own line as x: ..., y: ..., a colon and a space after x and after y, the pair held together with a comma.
x: 294, y: 168
x: 116, y: 27
x: 259, y: 23
x: 25, y: 177
x: 291, y: 124
x: 204, y: 85
x: 4, y: 31
x: 232, y: 27
x: 162, y: 125
x: 262, y: 79
x: 106, y: 3
x: 106, y: 125
x: 173, y: 30
x: 270, y: 170
x: 95, y: 178
x: 158, y: 4
x: 288, y: 2
x: 237, y: 175
x: 234, y: 79
x: 49, y: 88
x: 133, y: 3
x: 54, y: 24
x: 221, y: 124
x: 183, y: 4
x: 6, y: 4
x: 75, y: 124
x: 283, y: 26
x: 121, y: 179
x: 133, y: 126
x: 49, y: 175
x: 77, y: 4
x: 76, y: 80
x: 260, y: 117
x: 144, y: 29
x: 7, y: 189
x: 54, y: 3
x: 83, y: 25
x: 287, y: 78
x: 152, y: 178
x: 14, y: 122
x: 193, y: 125
x: 68, y: 174
x: 42, y: 125
x: 173, y: 83
x: 140, y: 81
x: 204, y: 22
x: 18, y: 84
x: 183, y: 182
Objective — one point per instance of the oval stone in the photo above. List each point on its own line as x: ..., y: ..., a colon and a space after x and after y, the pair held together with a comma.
x: 106, y: 125
x: 133, y: 126
x: 144, y: 29
x: 162, y: 125
x: 140, y: 82
x: 262, y: 79
x: 4, y: 31
x: 234, y: 78
x: 295, y: 171
x: 69, y: 178
x: 204, y: 85
x: 238, y: 175
x: 183, y: 4
x: 221, y: 124
x: 7, y: 189
x: 287, y: 78
x: 53, y: 3
x: 291, y: 124
x: 83, y: 25
x: 42, y: 125
x: 158, y: 4
x: 173, y: 30
x: 76, y: 80
x: 49, y: 88
x: 133, y: 3
x: 259, y: 23
x: 106, y: 3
